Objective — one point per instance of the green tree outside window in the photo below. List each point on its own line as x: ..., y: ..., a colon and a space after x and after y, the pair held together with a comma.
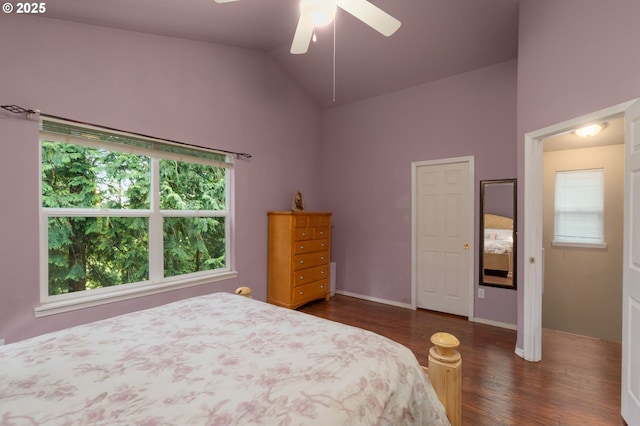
x: 89, y: 249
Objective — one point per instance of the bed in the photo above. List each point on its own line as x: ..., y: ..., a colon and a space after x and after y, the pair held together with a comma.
x: 498, y: 245
x: 224, y: 359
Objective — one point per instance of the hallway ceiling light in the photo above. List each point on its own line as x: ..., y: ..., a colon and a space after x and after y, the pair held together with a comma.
x: 591, y: 130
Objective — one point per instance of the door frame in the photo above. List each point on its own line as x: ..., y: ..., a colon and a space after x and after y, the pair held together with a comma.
x: 471, y: 221
x: 532, y: 259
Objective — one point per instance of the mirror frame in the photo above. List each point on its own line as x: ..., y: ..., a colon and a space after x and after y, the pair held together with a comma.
x: 484, y: 184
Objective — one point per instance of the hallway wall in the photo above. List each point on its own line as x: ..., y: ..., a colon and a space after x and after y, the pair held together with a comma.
x: 583, y: 286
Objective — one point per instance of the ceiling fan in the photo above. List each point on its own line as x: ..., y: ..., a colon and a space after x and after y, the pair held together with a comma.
x: 314, y: 13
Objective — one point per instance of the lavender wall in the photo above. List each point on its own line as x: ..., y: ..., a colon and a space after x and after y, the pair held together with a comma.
x: 189, y: 91
x: 367, y: 151
x: 498, y: 199
x: 575, y: 57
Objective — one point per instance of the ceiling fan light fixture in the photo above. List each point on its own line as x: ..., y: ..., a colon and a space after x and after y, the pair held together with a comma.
x: 318, y: 12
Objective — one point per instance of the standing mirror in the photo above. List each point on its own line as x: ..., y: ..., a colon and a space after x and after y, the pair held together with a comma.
x: 498, y: 233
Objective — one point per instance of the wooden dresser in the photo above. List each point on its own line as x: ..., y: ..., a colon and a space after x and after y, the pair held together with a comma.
x: 299, y: 244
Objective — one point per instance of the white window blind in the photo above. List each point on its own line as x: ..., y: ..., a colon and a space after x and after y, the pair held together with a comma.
x: 579, y: 207
x: 64, y: 132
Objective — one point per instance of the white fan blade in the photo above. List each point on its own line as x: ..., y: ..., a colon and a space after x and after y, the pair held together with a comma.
x: 371, y: 15
x: 224, y: 1
x: 302, y: 37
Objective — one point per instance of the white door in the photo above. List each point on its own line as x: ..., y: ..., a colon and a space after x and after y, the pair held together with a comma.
x: 443, y: 234
x: 631, y: 271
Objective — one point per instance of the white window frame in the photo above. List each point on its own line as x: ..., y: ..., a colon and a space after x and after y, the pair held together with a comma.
x: 568, y: 242
x: 156, y: 283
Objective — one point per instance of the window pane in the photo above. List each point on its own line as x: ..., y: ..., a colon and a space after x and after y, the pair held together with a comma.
x: 579, y: 205
x: 193, y: 244
x: 104, y: 196
x: 78, y: 176
x: 579, y: 226
x: 187, y: 186
x: 93, y: 252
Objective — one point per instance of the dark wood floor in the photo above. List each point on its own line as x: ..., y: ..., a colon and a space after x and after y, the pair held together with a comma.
x: 576, y: 383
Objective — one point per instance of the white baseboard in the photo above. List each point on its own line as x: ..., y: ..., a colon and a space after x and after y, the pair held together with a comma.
x: 408, y: 306
x: 495, y: 323
x: 518, y: 351
x: 374, y: 299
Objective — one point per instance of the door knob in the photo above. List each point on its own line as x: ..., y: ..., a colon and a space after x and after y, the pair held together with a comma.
x: 466, y: 246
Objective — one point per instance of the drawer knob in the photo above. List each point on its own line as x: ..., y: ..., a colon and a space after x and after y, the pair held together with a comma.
x: 321, y: 232
x: 302, y: 277
x: 301, y: 262
x: 322, y: 286
x: 322, y: 245
x: 321, y: 257
x: 322, y: 272
x: 302, y: 292
x: 301, y: 247
x: 304, y: 234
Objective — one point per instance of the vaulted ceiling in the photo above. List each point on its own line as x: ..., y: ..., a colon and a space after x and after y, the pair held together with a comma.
x: 437, y: 39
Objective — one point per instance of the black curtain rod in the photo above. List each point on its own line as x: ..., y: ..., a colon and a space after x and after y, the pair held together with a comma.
x: 19, y: 110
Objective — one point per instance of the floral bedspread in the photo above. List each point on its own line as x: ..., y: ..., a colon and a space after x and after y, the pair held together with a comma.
x: 219, y: 359
x: 498, y: 241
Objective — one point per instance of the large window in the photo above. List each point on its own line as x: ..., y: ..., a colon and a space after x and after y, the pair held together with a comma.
x: 579, y: 207
x: 123, y: 215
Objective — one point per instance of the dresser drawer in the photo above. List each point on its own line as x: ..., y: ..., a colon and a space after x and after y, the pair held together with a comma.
x: 310, y: 291
x: 302, y: 234
x: 309, y: 260
x: 321, y: 232
x: 301, y: 221
x: 306, y: 276
x: 314, y: 221
x: 310, y: 246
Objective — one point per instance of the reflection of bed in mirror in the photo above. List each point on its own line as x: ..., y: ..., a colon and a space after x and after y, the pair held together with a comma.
x: 497, y: 259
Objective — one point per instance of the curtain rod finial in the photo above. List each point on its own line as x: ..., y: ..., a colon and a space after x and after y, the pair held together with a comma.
x: 19, y: 110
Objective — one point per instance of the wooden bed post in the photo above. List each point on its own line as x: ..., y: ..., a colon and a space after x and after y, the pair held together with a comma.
x: 445, y: 374
x: 244, y: 291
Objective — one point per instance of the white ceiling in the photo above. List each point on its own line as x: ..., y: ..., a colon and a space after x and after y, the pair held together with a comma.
x: 437, y: 39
